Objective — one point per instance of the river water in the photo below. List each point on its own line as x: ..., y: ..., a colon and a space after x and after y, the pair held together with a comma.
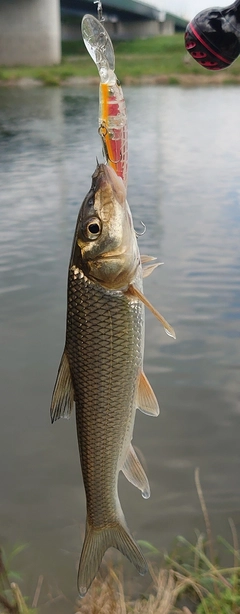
x: 184, y: 184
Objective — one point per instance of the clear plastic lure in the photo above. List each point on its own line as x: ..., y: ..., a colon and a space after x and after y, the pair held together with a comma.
x: 112, y: 109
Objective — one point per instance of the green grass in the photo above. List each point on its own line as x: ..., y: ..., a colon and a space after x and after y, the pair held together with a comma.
x: 155, y: 45
x: 210, y: 588
x: 135, y: 60
x: 192, y: 581
x: 50, y: 75
x: 11, y: 598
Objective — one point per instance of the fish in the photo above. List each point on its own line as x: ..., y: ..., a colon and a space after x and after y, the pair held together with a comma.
x: 101, y: 370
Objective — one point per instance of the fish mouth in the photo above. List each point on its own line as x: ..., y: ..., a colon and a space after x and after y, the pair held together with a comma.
x: 105, y: 176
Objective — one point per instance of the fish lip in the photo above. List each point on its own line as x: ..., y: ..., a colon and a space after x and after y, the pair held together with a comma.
x: 105, y: 175
x: 98, y: 177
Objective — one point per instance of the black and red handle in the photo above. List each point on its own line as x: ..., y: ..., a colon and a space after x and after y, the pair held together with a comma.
x: 213, y: 37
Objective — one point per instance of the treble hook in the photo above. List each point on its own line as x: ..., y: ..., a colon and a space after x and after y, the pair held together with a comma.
x: 99, y: 10
x: 140, y: 234
x: 103, y: 131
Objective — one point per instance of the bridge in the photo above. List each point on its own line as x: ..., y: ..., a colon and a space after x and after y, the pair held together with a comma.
x: 31, y: 30
x: 123, y: 19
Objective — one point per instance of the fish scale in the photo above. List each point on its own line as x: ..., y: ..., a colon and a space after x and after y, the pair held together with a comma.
x: 103, y: 390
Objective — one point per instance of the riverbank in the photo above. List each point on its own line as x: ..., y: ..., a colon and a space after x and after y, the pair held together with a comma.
x: 189, y: 581
x: 174, y: 79
x: 155, y: 61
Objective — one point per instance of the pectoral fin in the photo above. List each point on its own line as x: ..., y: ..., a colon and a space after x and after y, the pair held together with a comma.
x: 167, y: 327
x: 144, y: 258
x: 147, y: 270
x: 146, y: 399
x: 135, y: 473
x: 63, y: 393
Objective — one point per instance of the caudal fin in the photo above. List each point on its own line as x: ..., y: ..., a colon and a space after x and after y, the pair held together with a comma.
x: 96, y: 542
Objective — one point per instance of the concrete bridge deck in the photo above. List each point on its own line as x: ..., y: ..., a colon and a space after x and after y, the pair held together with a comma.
x: 31, y: 31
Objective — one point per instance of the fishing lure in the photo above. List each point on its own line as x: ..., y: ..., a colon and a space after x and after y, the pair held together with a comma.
x: 112, y: 109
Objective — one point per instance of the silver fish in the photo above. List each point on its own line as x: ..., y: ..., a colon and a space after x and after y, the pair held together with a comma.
x: 101, y: 369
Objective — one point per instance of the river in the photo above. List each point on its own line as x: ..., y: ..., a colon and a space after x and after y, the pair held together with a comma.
x: 184, y: 184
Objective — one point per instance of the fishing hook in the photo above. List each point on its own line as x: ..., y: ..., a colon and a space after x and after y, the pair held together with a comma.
x: 103, y: 131
x: 99, y: 10
x: 140, y: 234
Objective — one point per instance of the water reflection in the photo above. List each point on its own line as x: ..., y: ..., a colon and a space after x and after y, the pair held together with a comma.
x: 184, y: 184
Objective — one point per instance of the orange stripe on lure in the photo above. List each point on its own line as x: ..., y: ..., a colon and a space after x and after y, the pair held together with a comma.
x: 112, y: 109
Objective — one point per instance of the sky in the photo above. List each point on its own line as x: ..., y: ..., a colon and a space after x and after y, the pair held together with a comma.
x: 184, y: 8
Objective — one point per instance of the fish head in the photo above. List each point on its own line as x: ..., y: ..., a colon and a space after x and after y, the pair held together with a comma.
x: 105, y: 245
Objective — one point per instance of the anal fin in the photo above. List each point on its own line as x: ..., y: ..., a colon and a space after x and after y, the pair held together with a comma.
x: 135, y: 473
x: 146, y: 399
x: 63, y: 393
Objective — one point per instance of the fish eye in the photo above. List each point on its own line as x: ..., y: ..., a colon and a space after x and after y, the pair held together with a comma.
x: 93, y: 228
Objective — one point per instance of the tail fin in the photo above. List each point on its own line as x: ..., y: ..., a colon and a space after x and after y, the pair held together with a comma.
x: 96, y: 542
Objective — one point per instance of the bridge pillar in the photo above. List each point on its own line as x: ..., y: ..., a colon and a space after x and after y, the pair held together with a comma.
x: 30, y: 32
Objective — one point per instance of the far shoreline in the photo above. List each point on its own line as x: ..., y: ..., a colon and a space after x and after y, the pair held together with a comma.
x: 161, y: 60
x: 184, y: 80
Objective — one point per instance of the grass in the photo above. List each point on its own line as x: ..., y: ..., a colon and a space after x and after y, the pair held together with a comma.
x: 136, y: 61
x: 191, y: 581
x: 11, y: 598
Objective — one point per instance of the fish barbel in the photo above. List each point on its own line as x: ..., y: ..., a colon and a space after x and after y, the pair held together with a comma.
x: 101, y: 369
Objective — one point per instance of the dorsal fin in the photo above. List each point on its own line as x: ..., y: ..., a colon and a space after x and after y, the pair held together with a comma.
x: 63, y: 393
